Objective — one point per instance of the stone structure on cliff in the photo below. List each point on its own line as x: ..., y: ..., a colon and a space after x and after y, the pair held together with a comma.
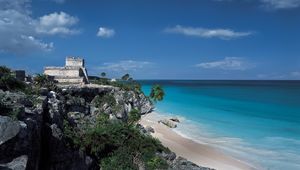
x: 73, y: 72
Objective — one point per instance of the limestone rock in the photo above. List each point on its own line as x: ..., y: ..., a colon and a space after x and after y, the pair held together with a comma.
x: 56, y: 132
x: 183, y: 164
x: 175, y: 120
x: 168, y: 123
x: 43, y: 91
x: 167, y: 156
x: 149, y: 129
x: 19, y: 163
x: 8, y: 128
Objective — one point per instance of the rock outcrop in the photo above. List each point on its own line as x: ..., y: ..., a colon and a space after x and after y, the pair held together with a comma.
x: 181, y: 163
x: 32, y: 127
x: 21, y: 131
x: 175, y: 120
x: 168, y: 123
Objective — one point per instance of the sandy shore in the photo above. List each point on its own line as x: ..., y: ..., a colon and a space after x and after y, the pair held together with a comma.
x: 201, y: 154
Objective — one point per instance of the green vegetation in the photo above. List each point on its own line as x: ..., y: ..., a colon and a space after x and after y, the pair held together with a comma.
x: 126, y: 83
x: 9, y: 82
x: 157, y: 93
x: 117, y: 145
x: 103, y: 74
x: 157, y: 163
x: 125, y: 77
x: 105, y: 99
x: 134, y: 116
x: 4, y: 70
x: 109, y: 100
x: 14, y: 113
x: 42, y: 80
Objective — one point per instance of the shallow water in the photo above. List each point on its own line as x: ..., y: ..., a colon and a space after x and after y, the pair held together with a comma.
x: 257, y: 121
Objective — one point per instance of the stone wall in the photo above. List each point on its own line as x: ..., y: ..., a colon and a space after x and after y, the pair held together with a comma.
x: 73, y: 72
x: 74, y: 62
x: 63, y: 72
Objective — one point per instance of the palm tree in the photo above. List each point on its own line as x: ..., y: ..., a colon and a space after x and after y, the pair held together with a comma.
x: 103, y: 74
x: 4, y: 70
x: 157, y: 93
x: 125, y: 77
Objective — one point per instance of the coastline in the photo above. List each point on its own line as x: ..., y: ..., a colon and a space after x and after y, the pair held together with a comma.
x: 201, y: 154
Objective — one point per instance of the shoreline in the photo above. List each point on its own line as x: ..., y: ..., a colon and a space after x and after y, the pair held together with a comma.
x: 200, y: 154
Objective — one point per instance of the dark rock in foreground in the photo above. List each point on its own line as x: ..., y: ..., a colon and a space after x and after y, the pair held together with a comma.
x: 18, y: 163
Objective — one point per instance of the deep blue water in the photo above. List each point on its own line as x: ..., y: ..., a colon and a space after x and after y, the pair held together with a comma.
x: 257, y: 121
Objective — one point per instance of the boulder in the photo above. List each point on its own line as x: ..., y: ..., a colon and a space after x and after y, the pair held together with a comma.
x: 149, y: 129
x: 168, y: 123
x: 19, y: 163
x: 56, y: 132
x: 167, y: 156
x: 43, y: 91
x: 182, y: 164
x: 8, y: 128
x: 142, y: 129
x: 175, y: 120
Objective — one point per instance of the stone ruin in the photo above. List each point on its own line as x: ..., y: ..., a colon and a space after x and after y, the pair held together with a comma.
x: 73, y: 72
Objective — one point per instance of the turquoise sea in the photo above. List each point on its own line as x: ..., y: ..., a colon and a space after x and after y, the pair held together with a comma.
x: 256, y: 121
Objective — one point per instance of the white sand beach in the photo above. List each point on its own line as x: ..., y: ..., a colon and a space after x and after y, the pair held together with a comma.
x: 201, y: 154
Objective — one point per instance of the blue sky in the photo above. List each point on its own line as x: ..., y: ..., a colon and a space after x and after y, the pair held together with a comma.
x: 155, y: 39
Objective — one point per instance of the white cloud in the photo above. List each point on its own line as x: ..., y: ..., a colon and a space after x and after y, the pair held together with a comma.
x: 126, y: 65
x: 105, y: 32
x: 22, y: 6
x: 228, y: 63
x: 20, y: 32
x: 17, y: 28
x: 281, y: 4
x: 207, y: 33
x: 274, y: 4
x: 32, y: 42
x: 57, y: 23
x: 295, y: 74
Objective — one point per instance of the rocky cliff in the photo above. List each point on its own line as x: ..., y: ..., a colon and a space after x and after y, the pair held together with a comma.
x: 32, y: 127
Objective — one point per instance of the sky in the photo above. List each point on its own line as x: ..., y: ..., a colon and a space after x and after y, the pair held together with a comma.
x: 155, y: 39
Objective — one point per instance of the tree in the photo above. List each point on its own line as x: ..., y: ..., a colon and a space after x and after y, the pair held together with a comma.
x: 103, y: 74
x: 125, y: 77
x: 4, y: 70
x: 8, y: 82
x: 157, y: 93
x: 134, y: 116
x: 41, y: 79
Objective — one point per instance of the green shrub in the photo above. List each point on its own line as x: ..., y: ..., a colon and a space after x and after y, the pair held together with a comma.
x: 115, y: 144
x: 133, y: 116
x: 119, y: 159
x: 8, y: 82
x: 4, y: 70
x: 105, y: 99
x: 42, y: 80
x: 156, y: 163
x: 14, y: 113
